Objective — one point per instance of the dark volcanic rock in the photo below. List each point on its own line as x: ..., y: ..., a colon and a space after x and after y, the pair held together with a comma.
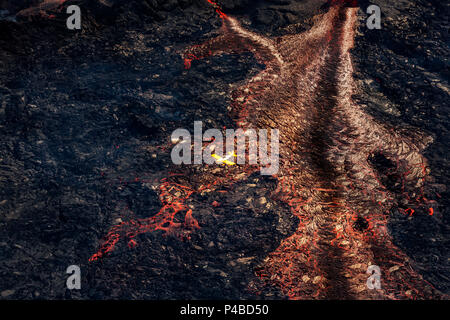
x: 403, y: 72
x: 85, y: 121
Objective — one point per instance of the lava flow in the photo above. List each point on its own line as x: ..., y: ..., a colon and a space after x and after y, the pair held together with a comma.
x: 42, y: 8
x: 341, y: 171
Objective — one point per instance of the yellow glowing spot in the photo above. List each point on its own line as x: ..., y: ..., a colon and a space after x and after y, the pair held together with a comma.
x: 225, y: 160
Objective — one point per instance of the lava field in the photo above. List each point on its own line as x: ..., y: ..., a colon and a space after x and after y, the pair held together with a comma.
x: 87, y: 176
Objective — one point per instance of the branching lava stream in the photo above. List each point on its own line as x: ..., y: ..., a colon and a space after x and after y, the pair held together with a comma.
x: 341, y: 171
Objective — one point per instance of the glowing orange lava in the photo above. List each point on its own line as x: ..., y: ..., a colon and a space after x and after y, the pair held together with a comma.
x: 329, y: 151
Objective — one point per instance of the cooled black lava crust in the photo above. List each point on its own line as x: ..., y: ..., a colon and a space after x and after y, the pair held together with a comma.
x: 83, y: 113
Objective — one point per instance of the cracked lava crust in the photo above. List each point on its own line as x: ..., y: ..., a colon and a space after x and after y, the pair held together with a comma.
x: 341, y: 171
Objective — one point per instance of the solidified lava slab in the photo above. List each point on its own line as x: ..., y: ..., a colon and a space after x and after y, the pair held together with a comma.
x: 86, y: 176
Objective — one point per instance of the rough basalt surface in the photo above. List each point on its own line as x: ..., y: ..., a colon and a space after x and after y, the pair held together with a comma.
x: 85, y: 124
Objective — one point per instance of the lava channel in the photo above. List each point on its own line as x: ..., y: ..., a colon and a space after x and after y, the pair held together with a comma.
x: 341, y: 171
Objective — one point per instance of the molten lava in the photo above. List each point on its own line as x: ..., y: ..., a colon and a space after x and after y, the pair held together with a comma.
x: 42, y: 8
x: 341, y: 170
